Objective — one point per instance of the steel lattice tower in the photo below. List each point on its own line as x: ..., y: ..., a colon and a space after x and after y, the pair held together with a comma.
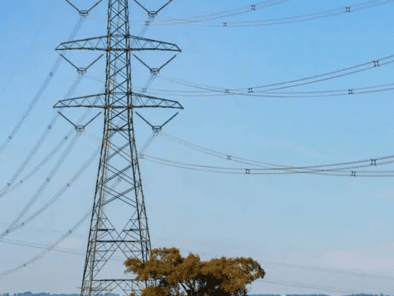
x: 119, y: 225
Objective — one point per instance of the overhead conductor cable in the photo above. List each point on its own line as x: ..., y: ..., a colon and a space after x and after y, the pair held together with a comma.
x: 46, y: 82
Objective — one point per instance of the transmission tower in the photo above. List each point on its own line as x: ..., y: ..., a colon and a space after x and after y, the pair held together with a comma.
x: 119, y: 226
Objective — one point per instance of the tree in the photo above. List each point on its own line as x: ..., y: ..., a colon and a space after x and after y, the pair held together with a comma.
x: 174, y: 275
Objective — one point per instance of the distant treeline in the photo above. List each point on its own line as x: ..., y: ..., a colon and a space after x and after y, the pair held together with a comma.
x: 316, y: 295
x: 45, y: 294
x: 48, y: 294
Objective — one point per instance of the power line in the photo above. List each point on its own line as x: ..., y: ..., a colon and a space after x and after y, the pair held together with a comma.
x: 270, y: 262
x: 42, y: 187
x: 351, y: 91
x: 308, y: 286
x: 228, y: 13
x: 59, y: 194
x: 207, y: 20
x: 39, y: 166
x: 41, y: 90
x: 303, y: 17
x: 246, y: 171
x: 251, y: 8
x: 230, y: 157
x: 43, y: 230
x: 11, y: 77
x: 48, y: 249
x: 344, y: 169
x: 329, y: 270
x: 81, y: 74
x: 39, y: 246
x: 290, y: 83
x: 53, y: 247
x: 83, y: 14
x: 289, y: 265
x: 257, y: 171
x: 276, y: 94
x: 40, y: 141
x: 14, y: 226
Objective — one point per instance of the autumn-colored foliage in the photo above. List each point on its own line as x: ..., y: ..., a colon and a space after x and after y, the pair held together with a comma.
x: 174, y: 275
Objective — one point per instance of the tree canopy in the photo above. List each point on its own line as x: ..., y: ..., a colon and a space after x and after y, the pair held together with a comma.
x: 174, y: 275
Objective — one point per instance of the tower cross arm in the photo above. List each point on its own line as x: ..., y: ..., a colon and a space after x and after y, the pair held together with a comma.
x: 117, y: 43
x: 99, y: 101
x: 91, y: 101
x: 144, y: 101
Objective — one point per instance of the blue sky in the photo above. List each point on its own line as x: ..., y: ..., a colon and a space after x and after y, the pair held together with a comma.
x: 305, y: 230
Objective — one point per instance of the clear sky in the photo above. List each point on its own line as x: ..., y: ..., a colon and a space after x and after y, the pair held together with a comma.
x: 311, y: 233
